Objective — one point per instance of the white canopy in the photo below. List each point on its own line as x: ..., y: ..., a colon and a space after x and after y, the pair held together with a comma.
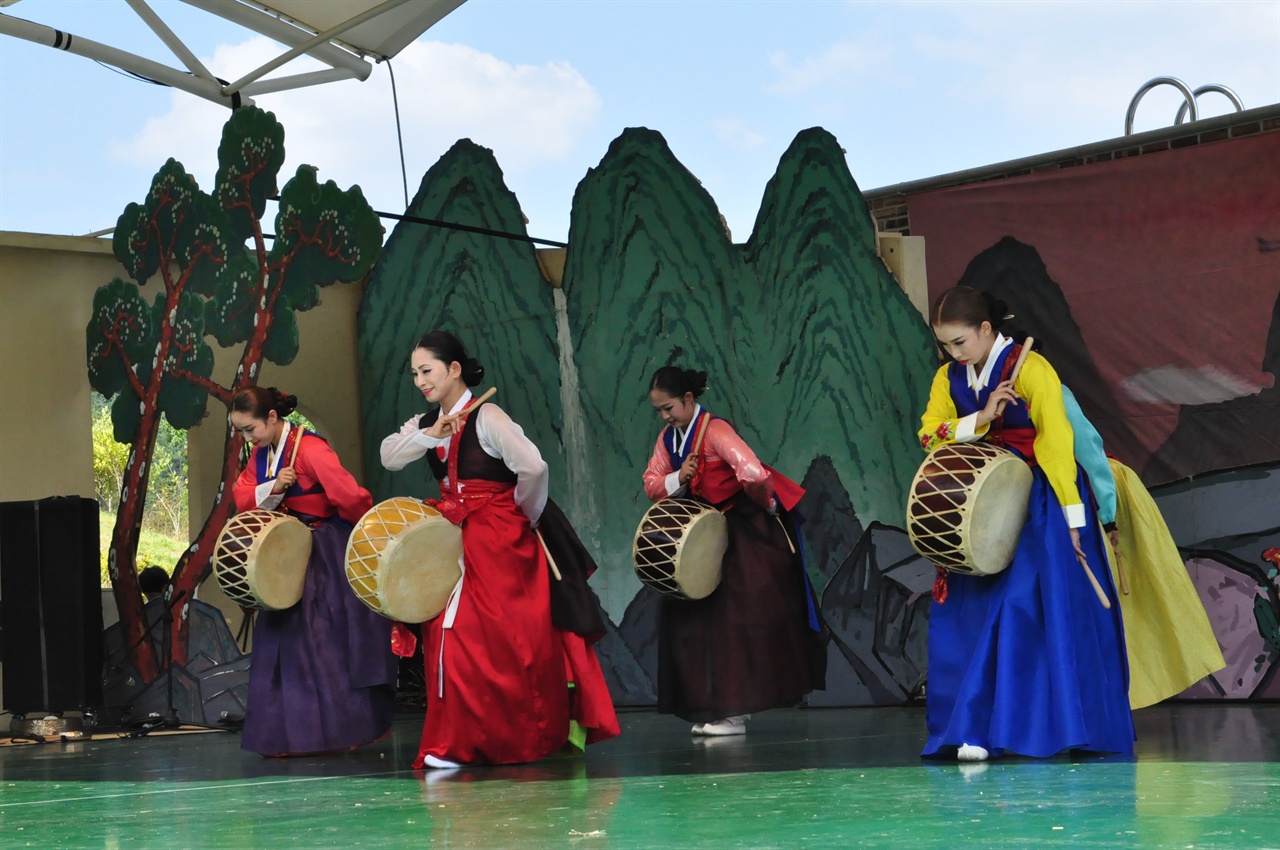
x: 343, y: 34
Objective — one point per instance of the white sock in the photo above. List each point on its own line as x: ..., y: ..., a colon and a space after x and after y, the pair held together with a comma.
x: 971, y: 752
x: 437, y: 762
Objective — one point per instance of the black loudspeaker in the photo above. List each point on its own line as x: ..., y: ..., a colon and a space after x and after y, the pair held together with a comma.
x: 50, y: 604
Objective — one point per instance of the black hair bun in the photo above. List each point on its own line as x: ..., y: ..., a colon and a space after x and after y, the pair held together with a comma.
x: 282, y: 403
x: 996, y: 309
x: 696, y: 381
x: 472, y: 372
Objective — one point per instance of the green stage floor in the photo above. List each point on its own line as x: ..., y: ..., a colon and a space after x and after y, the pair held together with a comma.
x: 1204, y: 776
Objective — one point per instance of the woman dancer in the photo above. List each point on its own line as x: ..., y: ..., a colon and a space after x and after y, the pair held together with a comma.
x: 1027, y: 661
x: 506, y: 681
x: 322, y: 678
x: 755, y: 642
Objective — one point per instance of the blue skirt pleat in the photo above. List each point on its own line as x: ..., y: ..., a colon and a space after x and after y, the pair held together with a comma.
x: 1028, y: 661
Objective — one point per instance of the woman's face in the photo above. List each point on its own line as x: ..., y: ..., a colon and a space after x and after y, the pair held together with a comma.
x: 674, y: 411
x: 966, y: 344
x: 434, y: 378
x: 257, y: 431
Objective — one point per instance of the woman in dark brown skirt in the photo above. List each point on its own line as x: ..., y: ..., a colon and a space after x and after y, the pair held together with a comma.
x: 755, y: 643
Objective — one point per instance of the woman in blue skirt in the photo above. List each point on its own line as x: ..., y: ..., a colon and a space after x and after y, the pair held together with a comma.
x: 1027, y: 661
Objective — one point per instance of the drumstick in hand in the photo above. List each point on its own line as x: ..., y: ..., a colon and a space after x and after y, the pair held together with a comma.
x: 1093, y: 580
x: 476, y: 402
x: 294, y: 454
x: 454, y: 418
x: 1017, y: 366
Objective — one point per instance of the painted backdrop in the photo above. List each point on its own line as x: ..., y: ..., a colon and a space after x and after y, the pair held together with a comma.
x: 814, y: 353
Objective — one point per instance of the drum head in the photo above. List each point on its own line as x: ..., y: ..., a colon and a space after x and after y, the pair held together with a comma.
x: 701, y: 557
x: 999, y: 512
x: 420, y: 569
x: 280, y: 555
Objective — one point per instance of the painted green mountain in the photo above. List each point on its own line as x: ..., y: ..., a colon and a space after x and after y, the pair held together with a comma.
x: 489, y: 291
x: 837, y: 359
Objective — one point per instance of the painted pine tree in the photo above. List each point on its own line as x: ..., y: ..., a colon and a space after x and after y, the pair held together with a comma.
x: 214, y: 276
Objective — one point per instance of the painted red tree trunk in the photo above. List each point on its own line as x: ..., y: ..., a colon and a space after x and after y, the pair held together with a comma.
x: 185, y: 578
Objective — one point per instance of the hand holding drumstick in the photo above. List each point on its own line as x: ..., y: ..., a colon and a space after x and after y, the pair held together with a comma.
x: 689, y: 468
x: 444, y: 427
x: 288, y: 476
x: 1004, y: 393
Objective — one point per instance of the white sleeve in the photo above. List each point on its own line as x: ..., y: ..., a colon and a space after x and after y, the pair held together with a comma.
x: 673, y: 483
x: 406, y: 445
x: 967, y: 429
x: 500, y: 437
x: 267, y: 500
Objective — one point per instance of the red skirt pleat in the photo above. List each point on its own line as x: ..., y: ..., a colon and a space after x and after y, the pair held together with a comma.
x: 503, y: 695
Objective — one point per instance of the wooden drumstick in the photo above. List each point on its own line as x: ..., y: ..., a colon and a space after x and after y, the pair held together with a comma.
x: 1017, y: 364
x: 476, y: 402
x: 551, y: 562
x: 1093, y: 580
x: 294, y: 454
x: 697, y: 447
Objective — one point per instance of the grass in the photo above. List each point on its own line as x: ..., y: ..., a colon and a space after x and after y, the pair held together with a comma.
x: 153, y: 547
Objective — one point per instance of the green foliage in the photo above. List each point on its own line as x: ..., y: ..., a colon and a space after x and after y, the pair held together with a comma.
x: 189, y: 357
x: 229, y: 313
x: 325, y: 233
x: 154, y: 547
x: 120, y: 333
x: 249, y: 159
x: 166, y: 508
x: 109, y: 457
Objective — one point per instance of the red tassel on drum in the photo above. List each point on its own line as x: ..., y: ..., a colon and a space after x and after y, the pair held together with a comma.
x: 403, y: 640
x: 940, y: 585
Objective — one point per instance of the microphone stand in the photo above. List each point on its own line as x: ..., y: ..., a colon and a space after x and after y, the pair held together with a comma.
x: 170, y: 719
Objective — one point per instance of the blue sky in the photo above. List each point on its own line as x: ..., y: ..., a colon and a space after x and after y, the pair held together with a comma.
x: 911, y: 90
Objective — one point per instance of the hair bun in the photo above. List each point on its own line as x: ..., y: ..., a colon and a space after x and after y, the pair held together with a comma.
x: 472, y: 372
x: 697, y: 381
x: 996, y: 309
x: 282, y: 403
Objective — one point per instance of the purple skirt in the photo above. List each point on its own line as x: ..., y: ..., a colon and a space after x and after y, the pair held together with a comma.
x: 322, y: 675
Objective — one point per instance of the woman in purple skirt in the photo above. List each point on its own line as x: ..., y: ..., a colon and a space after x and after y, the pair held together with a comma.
x: 323, y: 675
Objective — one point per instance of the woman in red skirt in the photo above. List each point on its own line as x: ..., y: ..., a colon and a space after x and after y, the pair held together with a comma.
x: 506, y: 682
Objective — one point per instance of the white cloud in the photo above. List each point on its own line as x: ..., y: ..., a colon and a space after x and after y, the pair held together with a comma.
x: 1205, y: 385
x: 735, y: 133
x: 843, y: 65
x: 1069, y: 67
x: 528, y: 115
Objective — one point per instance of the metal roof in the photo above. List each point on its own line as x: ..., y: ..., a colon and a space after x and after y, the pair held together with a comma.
x: 346, y: 35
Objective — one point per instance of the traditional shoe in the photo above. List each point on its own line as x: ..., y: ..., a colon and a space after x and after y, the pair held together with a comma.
x: 971, y: 752
x: 698, y: 729
x: 439, y: 763
x: 729, y: 726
